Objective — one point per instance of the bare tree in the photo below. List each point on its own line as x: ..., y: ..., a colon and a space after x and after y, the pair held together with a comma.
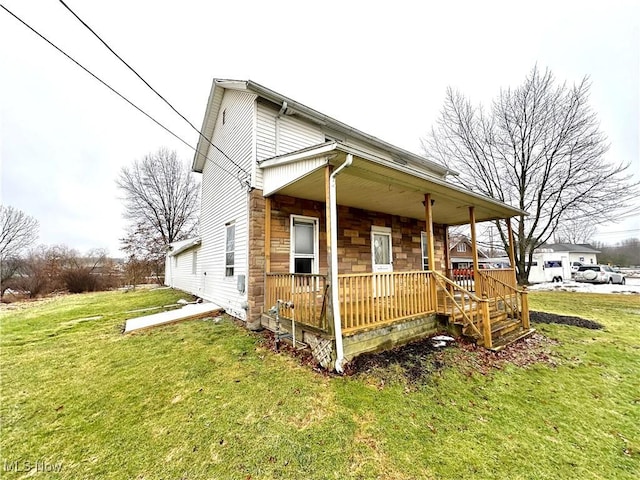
x: 161, y: 199
x: 539, y: 148
x: 19, y: 231
x: 574, y: 231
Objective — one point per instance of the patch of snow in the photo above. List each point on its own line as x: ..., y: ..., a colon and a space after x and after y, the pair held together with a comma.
x: 632, y: 287
x: 443, y: 338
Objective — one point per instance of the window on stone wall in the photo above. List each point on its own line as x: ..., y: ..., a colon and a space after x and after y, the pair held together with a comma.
x: 304, y: 244
x: 425, y: 255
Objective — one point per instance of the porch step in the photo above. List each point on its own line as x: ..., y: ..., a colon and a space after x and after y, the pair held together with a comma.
x: 510, y: 338
x: 503, y: 326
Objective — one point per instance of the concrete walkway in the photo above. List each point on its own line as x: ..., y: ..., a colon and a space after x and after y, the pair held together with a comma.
x: 185, y: 313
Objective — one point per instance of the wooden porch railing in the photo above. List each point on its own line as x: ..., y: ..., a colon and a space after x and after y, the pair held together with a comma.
x: 501, y: 288
x: 308, y: 293
x: 464, y: 307
x: 373, y: 299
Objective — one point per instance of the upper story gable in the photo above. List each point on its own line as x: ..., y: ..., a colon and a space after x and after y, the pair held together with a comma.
x: 259, y: 124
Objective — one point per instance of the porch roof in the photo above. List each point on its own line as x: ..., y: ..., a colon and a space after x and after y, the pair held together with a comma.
x: 375, y: 184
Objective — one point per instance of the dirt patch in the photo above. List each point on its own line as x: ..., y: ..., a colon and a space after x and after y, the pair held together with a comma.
x: 416, y: 363
x: 532, y: 350
x: 544, y: 317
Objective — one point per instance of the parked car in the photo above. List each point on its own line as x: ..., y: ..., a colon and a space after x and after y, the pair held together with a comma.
x: 575, y: 266
x: 598, y: 274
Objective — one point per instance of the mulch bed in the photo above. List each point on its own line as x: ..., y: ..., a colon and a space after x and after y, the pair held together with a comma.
x: 414, y: 363
x: 417, y: 361
x: 544, y: 317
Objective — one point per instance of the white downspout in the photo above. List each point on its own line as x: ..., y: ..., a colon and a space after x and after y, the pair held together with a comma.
x: 333, y: 211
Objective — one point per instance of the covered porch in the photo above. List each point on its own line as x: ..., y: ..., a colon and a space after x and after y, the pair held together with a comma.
x: 364, y: 253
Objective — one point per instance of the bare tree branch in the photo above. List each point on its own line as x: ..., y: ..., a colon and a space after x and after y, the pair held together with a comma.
x: 19, y: 231
x: 540, y: 149
x: 162, y: 203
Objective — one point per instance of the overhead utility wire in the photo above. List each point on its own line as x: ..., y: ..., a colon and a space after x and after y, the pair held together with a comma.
x: 152, y: 89
x: 113, y: 89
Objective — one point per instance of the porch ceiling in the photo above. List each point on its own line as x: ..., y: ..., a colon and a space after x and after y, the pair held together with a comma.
x: 369, y: 184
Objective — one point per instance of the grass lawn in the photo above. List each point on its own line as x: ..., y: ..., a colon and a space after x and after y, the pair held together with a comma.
x: 208, y: 400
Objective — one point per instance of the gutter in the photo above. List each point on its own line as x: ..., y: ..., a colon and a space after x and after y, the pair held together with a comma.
x: 333, y: 211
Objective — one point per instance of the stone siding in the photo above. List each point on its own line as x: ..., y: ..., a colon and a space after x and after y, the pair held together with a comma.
x: 354, y: 242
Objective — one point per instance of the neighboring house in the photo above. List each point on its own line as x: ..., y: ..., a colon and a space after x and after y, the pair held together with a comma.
x: 461, y: 253
x: 553, y: 262
x: 181, y: 266
x: 299, y: 207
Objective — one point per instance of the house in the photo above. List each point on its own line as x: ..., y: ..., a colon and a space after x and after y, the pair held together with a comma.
x: 313, y: 227
x: 553, y: 262
x: 461, y: 252
x: 461, y: 259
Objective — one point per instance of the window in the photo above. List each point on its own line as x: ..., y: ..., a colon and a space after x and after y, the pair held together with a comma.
x: 461, y: 247
x: 425, y: 254
x: 553, y: 264
x: 229, y: 257
x: 304, y: 244
x: 194, y: 262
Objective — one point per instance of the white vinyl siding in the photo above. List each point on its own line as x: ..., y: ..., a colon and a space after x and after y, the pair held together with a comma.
x: 223, y: 198
x: 180, y: 274
x: 265, y: 132
x: 295, y: 134
x: 279, y: 135
x: 277, y: 177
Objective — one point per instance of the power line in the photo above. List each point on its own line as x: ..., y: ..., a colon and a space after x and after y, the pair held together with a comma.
x: 150, y: 87
x: 619, y: 232
x: 234, y: 175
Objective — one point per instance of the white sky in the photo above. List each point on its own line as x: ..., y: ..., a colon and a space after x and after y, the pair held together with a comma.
x: 381, y: 67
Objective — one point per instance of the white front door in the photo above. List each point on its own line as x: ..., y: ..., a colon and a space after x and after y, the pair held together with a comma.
x: 381, y: 261
x: 381, y: 249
